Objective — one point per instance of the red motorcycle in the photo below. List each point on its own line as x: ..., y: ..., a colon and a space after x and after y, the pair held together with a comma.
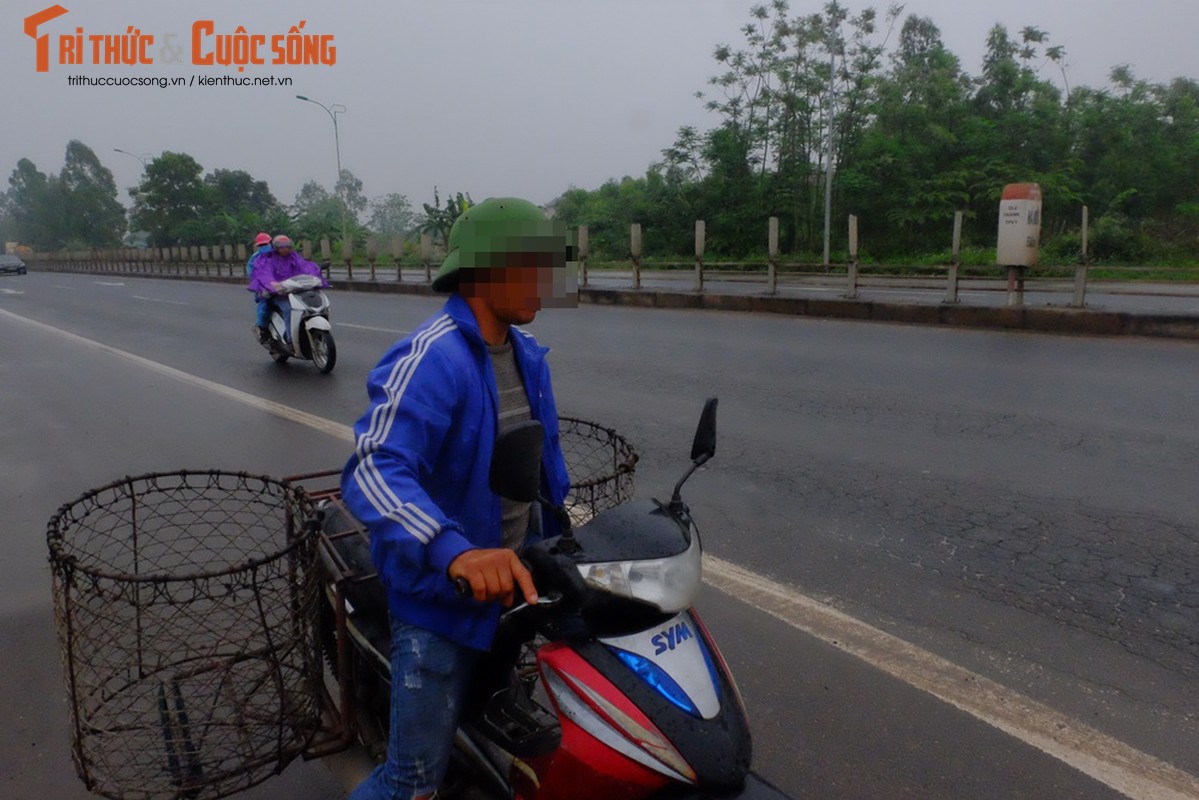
x: 608, y: 687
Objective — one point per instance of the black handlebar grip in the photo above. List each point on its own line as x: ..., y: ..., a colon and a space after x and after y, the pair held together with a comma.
x: 462, y: 587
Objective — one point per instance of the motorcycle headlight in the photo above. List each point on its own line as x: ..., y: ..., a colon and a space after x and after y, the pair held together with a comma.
x: 670, y: 583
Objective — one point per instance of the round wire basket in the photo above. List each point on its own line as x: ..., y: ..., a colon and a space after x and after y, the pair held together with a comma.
x: 184, y: 604
x: 600, y: 463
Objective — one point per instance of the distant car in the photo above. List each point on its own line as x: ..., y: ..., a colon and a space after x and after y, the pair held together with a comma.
x: 11, y: 264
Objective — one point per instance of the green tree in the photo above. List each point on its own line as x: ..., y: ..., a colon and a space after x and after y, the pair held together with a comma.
x: 316, y: 213
x: 905, y: 173
x: 438, y: 219
x: 171, y: 201
x: 349, y: 188
x: 237, y: 206
x: 92, y: 216
x: 34, y: 205
x: 391, y: 215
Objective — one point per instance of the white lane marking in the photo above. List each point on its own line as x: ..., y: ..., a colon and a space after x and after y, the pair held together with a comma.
x: 156, y: 300
x: 12, y: 291
x: 1104, y: 758
x: 321, y: 424
x: 109, y: 283
x: 372, y: 328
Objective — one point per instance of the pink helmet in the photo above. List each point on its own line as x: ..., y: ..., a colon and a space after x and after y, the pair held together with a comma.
x: 261, y: 239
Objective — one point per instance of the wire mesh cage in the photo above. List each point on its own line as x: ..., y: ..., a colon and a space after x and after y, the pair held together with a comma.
x: 184, y: 605
x: 600, y: 463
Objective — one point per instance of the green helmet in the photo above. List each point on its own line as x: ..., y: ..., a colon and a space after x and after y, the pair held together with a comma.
x: 498, y: 225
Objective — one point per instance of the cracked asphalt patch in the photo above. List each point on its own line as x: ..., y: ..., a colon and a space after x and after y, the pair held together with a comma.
x: 1133, y: 580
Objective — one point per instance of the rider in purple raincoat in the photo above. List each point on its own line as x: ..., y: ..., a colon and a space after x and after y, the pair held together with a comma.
x: 270, y: 270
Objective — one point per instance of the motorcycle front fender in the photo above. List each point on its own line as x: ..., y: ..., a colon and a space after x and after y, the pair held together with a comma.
x: 318, y: 324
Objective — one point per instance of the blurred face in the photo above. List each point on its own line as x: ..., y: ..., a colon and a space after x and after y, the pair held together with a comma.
x: 283, y: 249
x: 514, y: 292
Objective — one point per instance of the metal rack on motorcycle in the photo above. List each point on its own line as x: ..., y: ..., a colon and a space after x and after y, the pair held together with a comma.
x: 184, y: 603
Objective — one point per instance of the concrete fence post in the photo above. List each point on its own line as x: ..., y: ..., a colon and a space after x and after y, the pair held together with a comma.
x: 951, y: 289
x: 347, y: 254
x: 1080, y: 271
x: 700, y: 236
x: 584, y: 253
x: 397, y: 255
x: 635, y: 252
x: 426, y: 255
x: 851, y: 273
x: 327, y: 257
x: 772, y: 256
x: 372, y: 254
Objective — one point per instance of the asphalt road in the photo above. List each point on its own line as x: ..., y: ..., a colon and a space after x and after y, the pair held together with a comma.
x: 1018, y: 505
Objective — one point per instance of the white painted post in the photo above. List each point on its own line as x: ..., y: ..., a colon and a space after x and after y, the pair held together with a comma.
x: 327, y: 257
x: 372, y: 254
x: 772, y: 250
x: 1080, y: 271
x: 426, y: 255
x: 635, y: 252
x: 397, y: 253
x: 584, y: 252
x: 951, y: 291
x: 700, y: 235
x: 851, y: 290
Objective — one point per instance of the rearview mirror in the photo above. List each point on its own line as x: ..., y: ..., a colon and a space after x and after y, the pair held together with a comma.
x: 704, y: 445
x: 516, y: 462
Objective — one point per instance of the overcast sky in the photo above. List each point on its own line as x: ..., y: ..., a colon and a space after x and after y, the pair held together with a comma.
x: 494, y: 97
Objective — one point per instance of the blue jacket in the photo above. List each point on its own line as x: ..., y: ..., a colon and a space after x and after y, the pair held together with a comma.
x: 262, y: 248
x: 419, y: 475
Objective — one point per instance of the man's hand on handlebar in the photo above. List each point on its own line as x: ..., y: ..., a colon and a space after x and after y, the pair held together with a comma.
x: 493, y: 574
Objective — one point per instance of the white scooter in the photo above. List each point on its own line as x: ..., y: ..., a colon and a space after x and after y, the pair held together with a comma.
x: 299, y: 324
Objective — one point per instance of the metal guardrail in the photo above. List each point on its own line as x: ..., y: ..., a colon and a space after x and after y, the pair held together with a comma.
x: 1077, y: 282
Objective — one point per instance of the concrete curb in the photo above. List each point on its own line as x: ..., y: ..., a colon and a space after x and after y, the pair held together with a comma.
x: 1075, y: 321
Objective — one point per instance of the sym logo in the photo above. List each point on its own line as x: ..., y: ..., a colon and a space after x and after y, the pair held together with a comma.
x: 43, y: 42
x: 670, y: 638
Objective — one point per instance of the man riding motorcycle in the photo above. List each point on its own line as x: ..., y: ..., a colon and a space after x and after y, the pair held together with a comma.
x: 270, y: 270
x: 418, y: 478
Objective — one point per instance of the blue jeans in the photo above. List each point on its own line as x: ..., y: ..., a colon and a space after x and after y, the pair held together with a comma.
x: 264, y: 310
x: 429, y: 678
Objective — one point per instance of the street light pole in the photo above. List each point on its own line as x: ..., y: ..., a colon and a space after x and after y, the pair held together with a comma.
x: 142, y: 159
x: 333, y: 110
